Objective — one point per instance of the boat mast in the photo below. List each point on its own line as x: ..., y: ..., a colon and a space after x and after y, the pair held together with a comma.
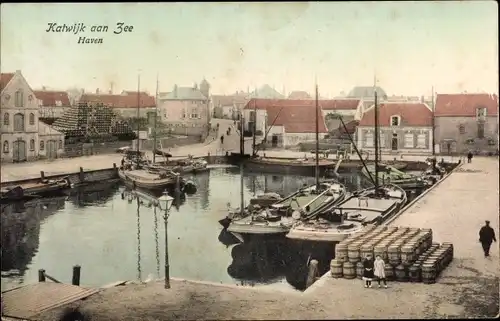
x: 317, y: 140
x: 242, y: 205
x: 376, y: 142
x: 138, y: 115
x: 156, y: 115
x: 254, y: 126
x: 433, y: 125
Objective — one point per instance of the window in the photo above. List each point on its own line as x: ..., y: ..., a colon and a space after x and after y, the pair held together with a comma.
x: 32, y: 144
x: 42, y: 145
x: 18, y: 122
x: 491, y: 142
x: 481, y: 112
x: 60, y: 144
x: 6, y: 119
x: 461, y: 129
x: 421, y: 141
x: 32, y: 119
x: 368, y: 139
x: 40, y: 102
x: 480, y: 130
x: 395, y: 120
x: 5, y: 146
x: 58, y: 103
x: 194, y: 113
x: 19, y: 99
x: 408, y: 140
x: 469, y: 141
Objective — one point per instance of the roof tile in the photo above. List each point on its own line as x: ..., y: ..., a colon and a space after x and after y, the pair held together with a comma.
x: 464, y: 105
x: 49, y: 98
x: 128, y: 100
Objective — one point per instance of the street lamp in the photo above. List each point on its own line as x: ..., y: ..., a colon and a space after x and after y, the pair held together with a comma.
x: 165, y: 202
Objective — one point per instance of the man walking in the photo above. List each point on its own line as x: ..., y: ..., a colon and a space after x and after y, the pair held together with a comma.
x: 469, y: 157
x: 486, y: 237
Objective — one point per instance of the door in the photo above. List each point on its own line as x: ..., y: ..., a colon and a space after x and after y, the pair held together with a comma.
x: 19, y: 151
x: 394, y: 142
x: 274, y: 141
x: 51, y: 149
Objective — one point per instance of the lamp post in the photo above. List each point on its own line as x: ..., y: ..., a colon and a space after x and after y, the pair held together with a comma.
x: 165, y: 202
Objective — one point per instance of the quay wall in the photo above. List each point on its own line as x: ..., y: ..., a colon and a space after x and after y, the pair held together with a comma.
x: 83, y: 177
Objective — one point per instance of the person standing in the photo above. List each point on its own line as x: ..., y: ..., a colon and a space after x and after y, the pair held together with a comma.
x: 469, y: 157
x: 379, y: 270
x: 222, y: 140
x: 486, y: 237
x: 368, y: 271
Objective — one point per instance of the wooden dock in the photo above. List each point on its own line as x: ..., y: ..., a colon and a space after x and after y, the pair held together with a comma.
x: 27, y: 301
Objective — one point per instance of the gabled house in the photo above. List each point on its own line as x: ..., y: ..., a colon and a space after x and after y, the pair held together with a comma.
x: 52, y: 104
x: 403, y: 128
x: 466, y: 122
x: 289, y: 122
x: 186, y: 110
x: 20, y: 126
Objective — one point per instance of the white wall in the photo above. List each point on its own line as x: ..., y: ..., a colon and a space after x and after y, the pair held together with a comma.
x: 261, y: 119
x: 292, y: 139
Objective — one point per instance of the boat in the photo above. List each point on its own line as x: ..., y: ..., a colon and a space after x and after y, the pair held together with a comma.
x: 288, y: 166
x: 184, y: 166
x: 335, y: 223
x: 390, y: 174
x: 26, y: 191
x: 367, y: 206
x: 266, y: 199
x: 279, y: 217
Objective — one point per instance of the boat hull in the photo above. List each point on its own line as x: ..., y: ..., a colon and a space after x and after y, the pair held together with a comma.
x: 156, y: 187
x: 285, y: 168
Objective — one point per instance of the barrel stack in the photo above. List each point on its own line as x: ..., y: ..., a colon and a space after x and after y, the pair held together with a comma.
x: 409, y: 254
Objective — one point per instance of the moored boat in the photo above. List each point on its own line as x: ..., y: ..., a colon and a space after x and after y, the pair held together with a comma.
x: 154, y: 181
x: 296, y: 166
x: 279, y: 217
x: 335, y: 223
x: 390, y: 174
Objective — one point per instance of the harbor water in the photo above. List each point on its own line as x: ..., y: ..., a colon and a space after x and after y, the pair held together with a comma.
x: 114, y: 239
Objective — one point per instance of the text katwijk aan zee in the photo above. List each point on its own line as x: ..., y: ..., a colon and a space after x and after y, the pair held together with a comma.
x: 96, y: 31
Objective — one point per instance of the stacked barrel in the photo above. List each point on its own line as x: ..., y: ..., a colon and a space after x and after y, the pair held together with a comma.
x: 409, y: 254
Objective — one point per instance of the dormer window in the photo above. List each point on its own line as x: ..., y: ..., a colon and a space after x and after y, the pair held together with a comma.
x: 481, y: 112
x: 58, y: 103
x: 395, y: 120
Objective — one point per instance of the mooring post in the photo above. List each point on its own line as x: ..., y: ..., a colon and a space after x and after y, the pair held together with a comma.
x: 41, y: 275
x: 76, y: 275
x: 42, y: 174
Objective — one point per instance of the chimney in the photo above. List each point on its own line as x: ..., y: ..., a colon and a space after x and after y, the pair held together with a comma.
x: 82, y: 91
x: 43, y: 88
x: 175, y: 91
x: 195, y: 86
x: 97, y: 91
x: 110, y: 92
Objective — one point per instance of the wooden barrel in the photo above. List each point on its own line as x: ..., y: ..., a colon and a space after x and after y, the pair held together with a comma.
x: 393, y: 254
x: 353, y: 252
x: 449, y: 248
x: 389, y: 272
x: 380, y: 249
x: 392, y: 229
x: 359, y: 270
x: 406, y: 255
x: 428, y: 273
x: 349, y: 270
x: 401, y: 273
x: 341, y: 252
x: 366, y: 250
x: 336, y: 268
x: 414, y: 273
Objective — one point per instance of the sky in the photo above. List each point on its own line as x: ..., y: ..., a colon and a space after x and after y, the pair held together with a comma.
x: 408, y: 47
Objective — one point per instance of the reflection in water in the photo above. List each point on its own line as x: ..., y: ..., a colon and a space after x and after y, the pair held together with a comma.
x: 113, y: 239
x: 258, y: 261
x: 94, y: 194
x: 20, y: 230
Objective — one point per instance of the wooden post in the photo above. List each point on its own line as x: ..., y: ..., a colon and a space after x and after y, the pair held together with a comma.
x: 41, y: 275
x: 42, y: 174
x: 76, y: 275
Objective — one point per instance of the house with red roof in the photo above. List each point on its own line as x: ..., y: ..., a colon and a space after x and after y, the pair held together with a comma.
x: 351, y: 110
x: 23, y: 137
x: 466, y: 122
x: 125, y: 104
x: 228, y: 106
x: 403, y: 128
x: 288, y: 122
x: 52, y: 104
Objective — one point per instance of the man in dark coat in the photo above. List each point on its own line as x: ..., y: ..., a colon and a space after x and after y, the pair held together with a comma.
x: 469, y: 157
x: 486, y: 237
